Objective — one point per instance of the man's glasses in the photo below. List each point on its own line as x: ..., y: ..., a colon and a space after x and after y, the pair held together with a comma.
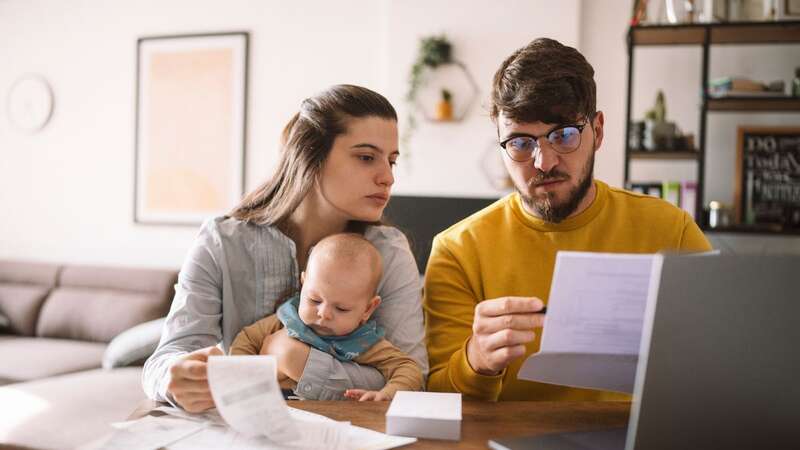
x: 563, y: 139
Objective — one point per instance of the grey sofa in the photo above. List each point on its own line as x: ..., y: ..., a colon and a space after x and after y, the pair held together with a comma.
x: 59, y: 326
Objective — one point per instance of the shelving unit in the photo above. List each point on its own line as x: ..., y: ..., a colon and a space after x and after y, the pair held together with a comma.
x: 706, y: 35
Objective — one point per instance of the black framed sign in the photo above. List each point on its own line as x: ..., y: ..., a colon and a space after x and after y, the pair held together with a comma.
x: 191, y: 106
x: 768, y: 177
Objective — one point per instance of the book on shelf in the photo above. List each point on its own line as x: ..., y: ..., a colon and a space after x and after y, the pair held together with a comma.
x: 689, y: 197
x: 671, y: 192
x: 652, y: 189
x: 736, y: 84
x: 681, y: 194
x: 743, y: 87
x: 755, y: 94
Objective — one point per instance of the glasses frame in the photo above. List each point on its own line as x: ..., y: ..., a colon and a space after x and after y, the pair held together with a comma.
x: 538, y: 147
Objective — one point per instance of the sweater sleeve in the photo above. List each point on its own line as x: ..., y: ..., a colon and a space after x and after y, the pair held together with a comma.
x: 250, y: 339
x: 399, y: 370
x: 194, y: 319
x: 692, y: 238
x: 449, y: 305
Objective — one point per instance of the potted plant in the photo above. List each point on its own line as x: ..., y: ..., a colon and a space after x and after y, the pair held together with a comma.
x: 444, y: 109
x: 433, y: 52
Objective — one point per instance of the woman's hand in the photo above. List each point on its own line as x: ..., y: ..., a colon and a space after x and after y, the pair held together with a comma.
x: 365, y: 396
x: 188, y: 382
x: 290, y: 353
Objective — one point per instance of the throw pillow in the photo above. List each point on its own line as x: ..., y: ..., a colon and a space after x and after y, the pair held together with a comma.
x: 134, y: 345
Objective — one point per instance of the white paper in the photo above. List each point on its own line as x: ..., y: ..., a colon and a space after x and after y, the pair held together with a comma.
x: 359, y: 438
x: 426, y: 405
x: 247, y: 394
x: 597, y: 303
x: 150, y: 433
x: 433, y: 415
x: 211, y: 416
x: 246, y: 391
x: 593, y: 326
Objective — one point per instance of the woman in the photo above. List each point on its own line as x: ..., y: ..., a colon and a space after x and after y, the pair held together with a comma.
x: 335, y: 175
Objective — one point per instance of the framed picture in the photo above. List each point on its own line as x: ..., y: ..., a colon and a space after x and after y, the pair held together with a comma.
x: 768, y: 177
x: 191, y: 115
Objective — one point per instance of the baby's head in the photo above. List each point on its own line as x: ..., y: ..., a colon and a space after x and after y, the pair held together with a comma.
x: 340, y: 284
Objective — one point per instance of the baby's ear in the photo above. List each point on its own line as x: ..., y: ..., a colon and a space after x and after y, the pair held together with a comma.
x: 302, y: 277
x: 373, y: 303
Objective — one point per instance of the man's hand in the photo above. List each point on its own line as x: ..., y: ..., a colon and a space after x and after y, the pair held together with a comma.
x: 365, y: 396
x: 188, y: 382
x: 500, y: 330
x: 291, y: 354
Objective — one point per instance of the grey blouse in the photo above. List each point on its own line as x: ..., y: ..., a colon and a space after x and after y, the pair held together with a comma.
x: 235, y: 274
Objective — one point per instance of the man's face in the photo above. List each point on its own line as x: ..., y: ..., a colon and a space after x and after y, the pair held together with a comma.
x: 552, y: 185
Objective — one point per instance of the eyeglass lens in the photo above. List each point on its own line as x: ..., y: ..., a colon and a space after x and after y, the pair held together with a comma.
x: 563, y: 140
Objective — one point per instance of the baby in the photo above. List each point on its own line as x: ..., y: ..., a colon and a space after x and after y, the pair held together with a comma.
x: 332, y: 313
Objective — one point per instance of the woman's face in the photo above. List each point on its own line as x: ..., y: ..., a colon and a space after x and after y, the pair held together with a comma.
x: 356, y: 178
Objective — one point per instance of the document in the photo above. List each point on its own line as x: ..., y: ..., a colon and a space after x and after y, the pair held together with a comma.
x: 246, y: 392
x: 251, y: 414
x: 150, y: 433
x: 593, y: 326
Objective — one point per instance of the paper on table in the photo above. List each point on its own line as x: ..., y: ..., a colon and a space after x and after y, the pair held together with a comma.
x: 593, y: 325
x: 359, y: 438
x: 150, y: 433
x: 246, y: 392
x: 211, y: 416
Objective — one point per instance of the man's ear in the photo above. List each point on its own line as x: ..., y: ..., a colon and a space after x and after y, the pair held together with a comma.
x: 597, y: 127
x: 373, y: 303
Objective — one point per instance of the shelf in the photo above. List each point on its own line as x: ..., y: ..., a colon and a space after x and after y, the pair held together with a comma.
x: 719, y: 33
x: 707, y: 38
x: 668, y: 34
x: 754, y: 104
x: 663, y: 154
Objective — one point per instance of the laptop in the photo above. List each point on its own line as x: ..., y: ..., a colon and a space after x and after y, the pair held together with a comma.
x: 719, y: 365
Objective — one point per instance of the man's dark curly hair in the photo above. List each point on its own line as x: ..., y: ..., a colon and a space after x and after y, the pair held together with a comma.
x: 544, y: 81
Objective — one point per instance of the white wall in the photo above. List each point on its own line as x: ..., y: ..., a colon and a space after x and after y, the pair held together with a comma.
x: 445, y: 158
x: 67, y: 191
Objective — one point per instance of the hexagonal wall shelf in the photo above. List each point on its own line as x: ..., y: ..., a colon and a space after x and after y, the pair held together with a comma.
x: 457, y: 80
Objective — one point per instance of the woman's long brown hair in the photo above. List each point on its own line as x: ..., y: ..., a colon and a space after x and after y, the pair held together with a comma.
x: 305, y: 144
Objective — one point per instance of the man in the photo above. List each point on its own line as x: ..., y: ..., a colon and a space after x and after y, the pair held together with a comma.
x: 488, y: 274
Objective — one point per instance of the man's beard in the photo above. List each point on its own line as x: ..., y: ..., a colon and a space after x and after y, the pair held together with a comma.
x: 555, y: 213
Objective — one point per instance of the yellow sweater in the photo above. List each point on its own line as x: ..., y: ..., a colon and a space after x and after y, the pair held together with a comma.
x: 504, y: 251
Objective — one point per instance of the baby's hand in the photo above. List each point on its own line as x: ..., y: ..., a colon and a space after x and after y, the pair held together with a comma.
x: 365, y: 396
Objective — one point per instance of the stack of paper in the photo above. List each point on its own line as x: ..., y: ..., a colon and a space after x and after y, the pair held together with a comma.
x: 433, y: 415
x: 251, y: 415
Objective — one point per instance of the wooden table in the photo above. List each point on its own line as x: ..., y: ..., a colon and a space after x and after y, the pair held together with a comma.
x: 481, y: 420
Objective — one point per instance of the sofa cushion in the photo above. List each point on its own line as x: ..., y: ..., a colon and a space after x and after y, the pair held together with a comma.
x: 95, y: 314
x: 21, y: 304
x: 154, y: 281
x: 27, y: 358
x: 23, y: 288
x: 22, y: 272
x: 98, y: 303
x: 69, y: 410
x: 133, y: 346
